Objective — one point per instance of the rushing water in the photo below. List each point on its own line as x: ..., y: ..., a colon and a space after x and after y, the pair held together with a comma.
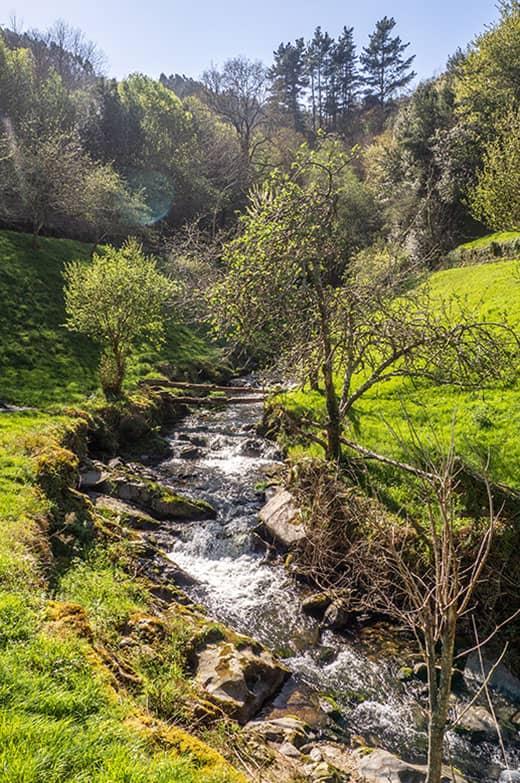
x: 218, y: 456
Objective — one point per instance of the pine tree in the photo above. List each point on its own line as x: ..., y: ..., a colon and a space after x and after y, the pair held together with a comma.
x: 289, y: 80
x: 347, y: 79
x: 318, y: 60
x: 385, y: 71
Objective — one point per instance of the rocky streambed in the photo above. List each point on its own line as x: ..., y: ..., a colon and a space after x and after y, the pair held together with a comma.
x: 303, y: 687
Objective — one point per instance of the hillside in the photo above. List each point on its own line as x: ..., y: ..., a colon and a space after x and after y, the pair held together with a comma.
x: 485, y: 421
x: 67, y: 713
x: 41, y: 362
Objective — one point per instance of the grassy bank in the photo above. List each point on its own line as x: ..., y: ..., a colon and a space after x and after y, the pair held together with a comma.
x: 41, y: 362
x: 75, y: 704
x: 486, y: 422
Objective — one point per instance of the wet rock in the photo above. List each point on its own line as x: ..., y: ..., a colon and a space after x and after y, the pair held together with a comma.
x: 281, y: 730
x: 509, y: 776
x: 379, y: 766
x: 316, y: 605
x: 280, y: 518
x: 252, y: 448
x: 92, y: 476
x: 239, y: 679
x: 190, y: 452
x: 156, y: 499
x: 128, y: 515
x: 478, y: 725
x: 337, y: 617
x: 502, y: 680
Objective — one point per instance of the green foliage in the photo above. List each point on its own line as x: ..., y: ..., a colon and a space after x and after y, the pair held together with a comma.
x: 386, y: 71
x: 495, y: 199
x: 119, y: 299
x: 485, y: 422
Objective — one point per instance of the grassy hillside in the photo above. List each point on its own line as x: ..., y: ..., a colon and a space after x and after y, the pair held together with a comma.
x: 64, y: 714
x: 485, y: 422
x: 502, y: 244
x: 40, y: 360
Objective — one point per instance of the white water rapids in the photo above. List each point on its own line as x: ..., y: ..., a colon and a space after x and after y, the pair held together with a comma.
x: 218, y: 456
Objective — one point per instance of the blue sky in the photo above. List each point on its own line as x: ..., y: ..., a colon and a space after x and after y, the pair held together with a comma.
x: 173, y: 36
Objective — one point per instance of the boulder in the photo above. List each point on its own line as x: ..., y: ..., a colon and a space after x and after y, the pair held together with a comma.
x: 156, y: 499
x: 241, y: 678
x: 316, y: 604
x: 379, y: 766
x: 337, y: 616
x: 478, y: 725
x: 280, y: 518
x: 502, y: 680
x: 129, y: 516
x: 509, y: 776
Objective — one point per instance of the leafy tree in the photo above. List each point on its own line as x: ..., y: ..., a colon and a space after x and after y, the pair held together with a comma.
x: 385, y: 70
x: 496, y: 197
x: 488, y: 82
x: 119, y: 299
x: 289, y: 80
x: 292, y: 296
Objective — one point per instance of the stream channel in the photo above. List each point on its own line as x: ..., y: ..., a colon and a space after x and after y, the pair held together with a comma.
x: 217, y: 455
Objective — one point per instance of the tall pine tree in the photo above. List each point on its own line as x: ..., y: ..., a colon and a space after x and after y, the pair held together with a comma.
x: 289, y: 80
x: 347, y: 80
x: 385, y: 69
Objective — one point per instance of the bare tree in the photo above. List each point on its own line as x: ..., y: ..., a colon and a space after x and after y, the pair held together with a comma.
x: 238, y: 93
x: 430, y: 587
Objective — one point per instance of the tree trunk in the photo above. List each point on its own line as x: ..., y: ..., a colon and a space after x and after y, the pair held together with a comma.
x: 439, y: 705
x: 334, y: 423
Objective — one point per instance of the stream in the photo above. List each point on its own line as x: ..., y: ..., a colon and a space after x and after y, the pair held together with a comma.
x: 217, y: 455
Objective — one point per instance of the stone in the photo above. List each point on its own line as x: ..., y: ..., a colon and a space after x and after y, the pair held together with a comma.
x: 316, y: 605
x: 129, y: 516
x: 316, y: 755
x: 509, y: 776
x: 502, y: 680
x: 289, y: 750
x: 240, y: 679
x: 92, y: 476
x: 337, y: 616
x: 281, y: 730
x: 280, y: 518
x: 478, y: 725
x: 379, y: 766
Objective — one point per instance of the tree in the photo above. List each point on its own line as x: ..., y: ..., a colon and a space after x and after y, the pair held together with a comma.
x: 429, y: 583
x: 289, y: 80
x: 385, y: 70
x: 238, y: 94
x: 495, y: 198
x: 317, y: 60
x: 118, y: 300
x: 347, y: 79
x: 292, y: 296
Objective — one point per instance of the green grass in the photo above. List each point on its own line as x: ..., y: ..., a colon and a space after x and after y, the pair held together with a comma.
x: 63, y: 715
x: 498, y: 236
x: 486, y: 422
x: 502, y: 244
x: 41, y: 362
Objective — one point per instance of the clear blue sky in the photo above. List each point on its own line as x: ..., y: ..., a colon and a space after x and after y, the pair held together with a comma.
x: 185, y: 36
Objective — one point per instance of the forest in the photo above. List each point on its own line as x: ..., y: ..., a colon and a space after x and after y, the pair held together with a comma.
x: 259, y: 413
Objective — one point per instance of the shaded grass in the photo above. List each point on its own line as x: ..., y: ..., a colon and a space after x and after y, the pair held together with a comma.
x: 41, y: 362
